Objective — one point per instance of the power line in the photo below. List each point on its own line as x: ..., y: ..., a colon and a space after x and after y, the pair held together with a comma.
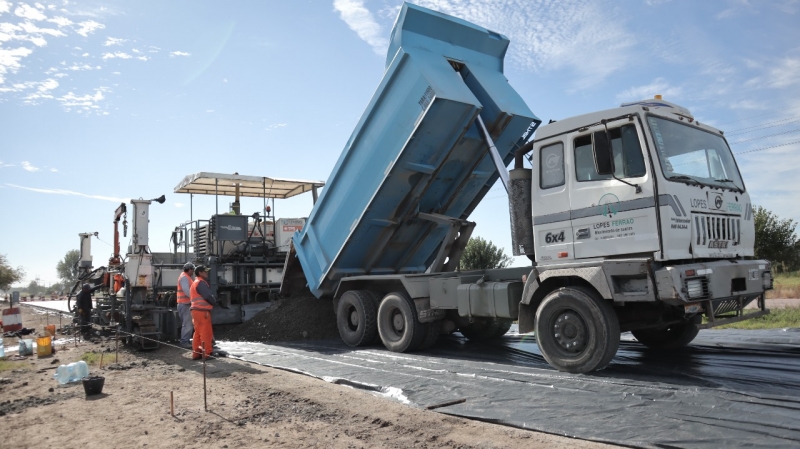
x: 767, y: 148
x: 761, y: 115
x: 765, y: 125
x: 768, y: 135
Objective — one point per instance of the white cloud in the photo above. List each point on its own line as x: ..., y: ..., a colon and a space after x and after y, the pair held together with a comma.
x: 361, y: 20
x: 785, y: 73
x: 4, y: 6
x: 209, y: 110
x: 76, y: 67
x: 3, y: 164
x: 142, y: 58
x: 172, y: 54
x: 10, y: 60
x: 86, y: 102
x: 29, y: 12
x: 85, y: 55
x: 54, y: 170
x: 658, y: 86
x: 71, y: 193
x: 587, y: 38
x: 61, y: 21
x: 276, y: 126
x: 88, y: 27
x: 224, y: 80
x: 116, y: 73
x: 27, y: 166
x: 118, y: 54
x: 113, y: 41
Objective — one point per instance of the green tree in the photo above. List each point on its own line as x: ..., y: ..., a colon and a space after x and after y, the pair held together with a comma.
x: 483, y: 255
x: 34, y: 289
x: 67, y: 268
x: 776, y: 240
x: 8, y: 274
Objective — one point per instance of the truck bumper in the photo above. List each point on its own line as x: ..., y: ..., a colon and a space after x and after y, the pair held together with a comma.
x: 728, y: 285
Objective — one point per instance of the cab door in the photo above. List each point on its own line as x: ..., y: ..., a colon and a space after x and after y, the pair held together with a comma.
x: 552, y: 230
x: 612, y: 216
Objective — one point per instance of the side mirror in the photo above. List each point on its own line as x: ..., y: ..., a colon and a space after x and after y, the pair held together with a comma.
x: 603, y: 156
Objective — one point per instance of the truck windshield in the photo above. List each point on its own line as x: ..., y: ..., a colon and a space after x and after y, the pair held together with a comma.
x: 692, y: 155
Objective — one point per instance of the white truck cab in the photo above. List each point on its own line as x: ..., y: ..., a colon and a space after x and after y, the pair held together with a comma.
x: 639, y: 212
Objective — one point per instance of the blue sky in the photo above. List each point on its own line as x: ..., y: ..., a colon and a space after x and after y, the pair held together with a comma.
x: 105, y: 101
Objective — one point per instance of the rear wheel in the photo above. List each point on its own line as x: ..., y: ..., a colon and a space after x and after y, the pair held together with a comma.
x: 576, y: 330
x: 432, y: 331
x: 356, y: 317
x: 673, y: 336
x: 398, y: 325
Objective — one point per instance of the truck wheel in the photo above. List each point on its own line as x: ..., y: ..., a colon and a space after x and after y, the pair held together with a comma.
x: 673, y: 336
x: 355, y: 317
x: 398, y: 325
x: 576, y: 330
x: 432, y: 331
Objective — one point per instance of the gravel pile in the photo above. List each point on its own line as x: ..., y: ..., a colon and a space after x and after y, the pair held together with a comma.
x: 300, y: 317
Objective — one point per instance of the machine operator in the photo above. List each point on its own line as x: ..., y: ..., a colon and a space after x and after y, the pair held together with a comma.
x: 202, y: 302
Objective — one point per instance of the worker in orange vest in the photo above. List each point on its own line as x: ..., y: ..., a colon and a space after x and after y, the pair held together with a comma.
x: 119, y: 282
x: 184, y: 304
x: 202, y: 302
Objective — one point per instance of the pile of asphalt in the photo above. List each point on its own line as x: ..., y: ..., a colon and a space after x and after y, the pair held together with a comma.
x: 299, y: 317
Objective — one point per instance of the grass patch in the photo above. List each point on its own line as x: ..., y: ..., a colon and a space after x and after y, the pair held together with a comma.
x: 7, y: 365
x: 93, y: 358
x: 777, y: 319
x: 787, y: 285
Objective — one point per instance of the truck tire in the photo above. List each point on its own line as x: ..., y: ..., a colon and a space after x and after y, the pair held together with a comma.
x: 673, y: 336
x: 356, y: 316
x: 432, y: 331
x: 576, y: 330
x: 486, y: 329
x: 398, y: 325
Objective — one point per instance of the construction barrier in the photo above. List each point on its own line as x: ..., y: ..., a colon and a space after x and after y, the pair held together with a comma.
x: 12, y: 319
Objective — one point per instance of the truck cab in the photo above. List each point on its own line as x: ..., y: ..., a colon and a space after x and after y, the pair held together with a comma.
x: 642, y: 208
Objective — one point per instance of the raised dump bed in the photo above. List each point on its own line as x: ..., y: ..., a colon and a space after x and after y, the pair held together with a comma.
x: 417, y: 155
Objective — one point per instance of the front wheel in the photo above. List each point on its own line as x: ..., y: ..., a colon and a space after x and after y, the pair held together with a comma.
x: 576, y: 330
x: 673, y: 336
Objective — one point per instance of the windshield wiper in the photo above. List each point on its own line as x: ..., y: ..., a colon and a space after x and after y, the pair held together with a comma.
x: 730, y: 181
x: 687, y: 179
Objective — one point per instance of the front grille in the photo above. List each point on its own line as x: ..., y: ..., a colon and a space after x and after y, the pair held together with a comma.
x: 711, y: 227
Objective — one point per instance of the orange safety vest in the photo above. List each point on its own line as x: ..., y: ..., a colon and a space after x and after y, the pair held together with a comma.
x: 183, y: 297
x: 119, y: 281
x: 198, y: 303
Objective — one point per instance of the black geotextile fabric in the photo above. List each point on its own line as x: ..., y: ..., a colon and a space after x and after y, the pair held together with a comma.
x: 730, y: 388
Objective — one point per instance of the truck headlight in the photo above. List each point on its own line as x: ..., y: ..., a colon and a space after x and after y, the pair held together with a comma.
x: 766, y: 280
x: 694, y: 288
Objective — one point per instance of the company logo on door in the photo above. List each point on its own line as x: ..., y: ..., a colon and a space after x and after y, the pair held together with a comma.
x: 716, y: 201
x: 609, y: 205
x: 231, y: 228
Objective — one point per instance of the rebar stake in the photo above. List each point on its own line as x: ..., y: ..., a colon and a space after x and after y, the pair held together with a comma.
x: 205, y: 400
x: 101, y: 360
x: 116, y: 355
x: 171, y: 404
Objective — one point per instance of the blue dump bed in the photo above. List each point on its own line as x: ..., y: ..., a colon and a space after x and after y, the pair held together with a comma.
x: 417, y: 148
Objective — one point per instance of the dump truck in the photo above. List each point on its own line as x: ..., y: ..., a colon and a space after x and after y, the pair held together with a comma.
x: 634, y: 218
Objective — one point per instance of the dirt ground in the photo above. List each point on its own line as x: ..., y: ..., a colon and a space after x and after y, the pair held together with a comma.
x: 248, y: 406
